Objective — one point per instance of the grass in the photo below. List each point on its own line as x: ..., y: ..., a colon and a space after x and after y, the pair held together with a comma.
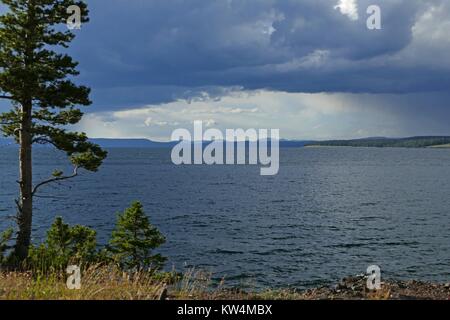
x: 109, y: 283
x: 98, y: 283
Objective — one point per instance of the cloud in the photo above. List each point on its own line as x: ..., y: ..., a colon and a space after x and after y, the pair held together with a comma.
x: 150, y: 122
x: 297, y: 115
x: 430, y: 42
x: 348, y: 8
x: 154, y: 65
x: 148, y: 52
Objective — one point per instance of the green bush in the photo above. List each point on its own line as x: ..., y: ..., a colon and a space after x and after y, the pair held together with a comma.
x: 64, y: 245
x: 130, y: 247
x: 133, y: 240
x: 5, y: 238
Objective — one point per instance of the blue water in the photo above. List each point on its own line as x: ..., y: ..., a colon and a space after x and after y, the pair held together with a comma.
x: 329, y: 213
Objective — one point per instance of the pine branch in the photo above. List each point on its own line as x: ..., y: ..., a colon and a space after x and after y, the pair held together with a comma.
x: 43, y: 140
x: 55, y: 179
x: 6, y: 97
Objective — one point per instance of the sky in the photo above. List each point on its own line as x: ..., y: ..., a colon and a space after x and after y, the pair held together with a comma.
x: 310, y: 68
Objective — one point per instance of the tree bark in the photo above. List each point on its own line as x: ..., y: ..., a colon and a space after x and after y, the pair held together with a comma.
x: 25, y: 203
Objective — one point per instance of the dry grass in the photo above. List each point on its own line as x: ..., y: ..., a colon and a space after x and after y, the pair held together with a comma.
x: 109, y: 283
x: 98, y: 283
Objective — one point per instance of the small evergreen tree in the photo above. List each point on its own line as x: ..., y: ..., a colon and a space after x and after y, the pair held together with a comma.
x: 64, y: 245
x: 133, y: 240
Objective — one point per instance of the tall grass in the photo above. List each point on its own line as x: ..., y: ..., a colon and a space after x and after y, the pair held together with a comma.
x: 97, y: 283
x: 100, y: 282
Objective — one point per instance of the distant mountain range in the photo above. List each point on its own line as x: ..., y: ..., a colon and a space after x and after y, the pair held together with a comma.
x: 132, y: 143
x: 113, y: 143
x: 411, y: 142
x: 381, y: 142
x: 146, y: 143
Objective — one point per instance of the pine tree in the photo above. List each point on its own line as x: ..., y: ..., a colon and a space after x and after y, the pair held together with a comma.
x: 64, y: 244
x: 134, y: 238
x: 36, y: 78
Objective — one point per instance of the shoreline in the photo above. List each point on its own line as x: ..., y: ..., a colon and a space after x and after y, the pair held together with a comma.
x: 105, y: 284
x: 350, y: 288
x: 446, y: 146
x: 355, y: 288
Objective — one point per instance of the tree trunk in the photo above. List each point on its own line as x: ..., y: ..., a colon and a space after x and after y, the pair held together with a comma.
x: 25, y: 203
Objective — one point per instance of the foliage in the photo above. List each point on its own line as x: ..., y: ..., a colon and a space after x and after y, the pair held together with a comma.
x: 130, y: 245
x: 99, y: 282
x: 5, y: 238
x: 413, y: 142
x: 64, y: 245
x: 36, y: 77
x: 133, y: 240
x: 32, y: 73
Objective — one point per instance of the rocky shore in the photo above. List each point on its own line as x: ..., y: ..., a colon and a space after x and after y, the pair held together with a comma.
x: 354, y: 288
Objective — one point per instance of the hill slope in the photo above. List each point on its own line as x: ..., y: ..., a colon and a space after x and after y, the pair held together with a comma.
x: 412, y: 142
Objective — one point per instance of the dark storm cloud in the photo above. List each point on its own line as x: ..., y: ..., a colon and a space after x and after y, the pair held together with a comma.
x: 147, y: 52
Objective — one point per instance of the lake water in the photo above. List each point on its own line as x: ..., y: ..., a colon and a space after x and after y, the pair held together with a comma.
x: 329, y: 213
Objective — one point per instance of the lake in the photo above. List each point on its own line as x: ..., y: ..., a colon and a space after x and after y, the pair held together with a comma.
x: 329, y: 213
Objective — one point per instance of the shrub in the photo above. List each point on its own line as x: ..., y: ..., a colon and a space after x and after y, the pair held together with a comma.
x: 133, y: 240
x: 130, y: 247
x: 64, y: 245
x: 5, y: 238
